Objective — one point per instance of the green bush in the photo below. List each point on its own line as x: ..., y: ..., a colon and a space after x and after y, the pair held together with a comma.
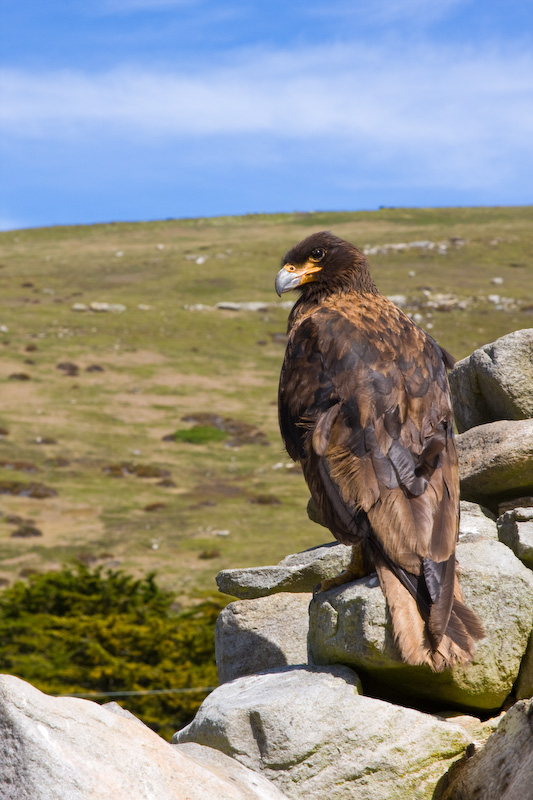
x: 200, y: 434
x: 79, y: 631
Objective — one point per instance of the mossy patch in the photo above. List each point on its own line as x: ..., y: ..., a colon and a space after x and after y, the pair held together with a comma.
x: 200, y: 434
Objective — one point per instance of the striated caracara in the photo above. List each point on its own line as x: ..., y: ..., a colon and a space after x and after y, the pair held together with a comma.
x: 364, y: 406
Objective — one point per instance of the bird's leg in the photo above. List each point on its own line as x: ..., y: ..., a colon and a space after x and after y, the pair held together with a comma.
x: 356, y: 569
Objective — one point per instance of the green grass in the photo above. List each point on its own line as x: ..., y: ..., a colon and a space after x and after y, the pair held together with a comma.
x: 200, y: 434
x: 163, y: 362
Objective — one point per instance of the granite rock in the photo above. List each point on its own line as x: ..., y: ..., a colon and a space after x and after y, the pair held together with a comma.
x: 496, y: 462
x: 515, y: 529
x: 299, y: 572
x: 476, y: 519
x: 256, y: 635
x: 315, y: 737
x: 65, y: 748
x: 503, y: 768
x: 495, y: 382
x: 351, y: 625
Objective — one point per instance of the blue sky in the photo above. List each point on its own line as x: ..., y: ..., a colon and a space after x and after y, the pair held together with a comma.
x: 148, y: 109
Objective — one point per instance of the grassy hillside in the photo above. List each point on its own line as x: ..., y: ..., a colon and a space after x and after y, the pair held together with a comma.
x: 91, y: 432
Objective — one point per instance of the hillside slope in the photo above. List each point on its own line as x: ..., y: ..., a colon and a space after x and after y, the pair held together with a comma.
x: 89, y: 395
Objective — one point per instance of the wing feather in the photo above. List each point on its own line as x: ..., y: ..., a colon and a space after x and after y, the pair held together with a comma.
x: 364, y: 405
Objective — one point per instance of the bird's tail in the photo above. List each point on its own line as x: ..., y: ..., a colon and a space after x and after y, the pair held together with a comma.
x: 410, y: 626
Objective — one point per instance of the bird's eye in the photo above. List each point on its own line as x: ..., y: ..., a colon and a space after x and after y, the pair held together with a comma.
x: 318, y: 254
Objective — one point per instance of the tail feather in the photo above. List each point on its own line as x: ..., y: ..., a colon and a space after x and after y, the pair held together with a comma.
x: 412, y: 625
x: 469, y: 619
x: 441, y: 596
x: 408, y: 626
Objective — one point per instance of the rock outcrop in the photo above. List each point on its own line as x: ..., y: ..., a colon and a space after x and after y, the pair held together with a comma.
x: 503, y: 768
x: 314, y: 736
x: 515, y: 529
x: 492, y: 392
x: 351, y: 626
x: 495, y: 382
x: 299, y: 572
x: 477, y: 519
x: 71, y: 749
x: 496, y: 462
x: 268, y: 632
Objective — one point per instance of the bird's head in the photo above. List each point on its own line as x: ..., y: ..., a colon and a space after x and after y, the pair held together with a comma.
x: 326, y: 262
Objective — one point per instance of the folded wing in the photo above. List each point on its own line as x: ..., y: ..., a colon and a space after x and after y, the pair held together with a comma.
x: 364, y: 405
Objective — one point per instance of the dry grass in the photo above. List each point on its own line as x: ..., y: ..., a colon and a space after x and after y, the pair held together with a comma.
x: 162, y: 362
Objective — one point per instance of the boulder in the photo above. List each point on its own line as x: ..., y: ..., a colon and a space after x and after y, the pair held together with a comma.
x: 503, y: 768
x: 299, y: 572
x: 496, y: 462
x: 515, y: 529
x: 313, y: 735
x: 65, y: 748
x: 260, y: 634
x: 477, y: 519
x: 247, y: 783
x: 351, y: 625
x: 495, y: 382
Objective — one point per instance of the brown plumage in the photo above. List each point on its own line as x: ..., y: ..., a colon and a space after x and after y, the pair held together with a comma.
x: 364, y: 405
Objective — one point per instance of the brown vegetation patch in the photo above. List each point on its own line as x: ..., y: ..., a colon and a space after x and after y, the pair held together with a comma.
x: 140, y: 470
x: 27, y: 572
x: 20, y: 489
x: 154, y: 507
x: 68, y: 368
x: 19, y: 376
x: 18, y: 465
x: 60, y: 461
x: 203, y: 504
x: 209, y: 492
x: 265, y: 500
x: 14, y: 519
x: 26, y: 531
x: 212, y: 552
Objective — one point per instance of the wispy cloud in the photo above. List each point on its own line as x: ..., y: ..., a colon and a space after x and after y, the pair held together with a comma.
x: 8, y: 223
x: 387, y: 12
x: 458, y: 110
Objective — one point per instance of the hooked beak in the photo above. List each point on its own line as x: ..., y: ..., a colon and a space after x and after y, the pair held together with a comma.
x: 290, y: 277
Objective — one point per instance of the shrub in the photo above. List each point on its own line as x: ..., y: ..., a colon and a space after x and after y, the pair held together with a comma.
x: 78, y: 631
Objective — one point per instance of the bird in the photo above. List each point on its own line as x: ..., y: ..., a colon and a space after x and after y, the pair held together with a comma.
x: 364, y: 406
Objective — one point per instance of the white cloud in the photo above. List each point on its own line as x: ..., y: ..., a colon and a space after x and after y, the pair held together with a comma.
x: 463, y: 109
